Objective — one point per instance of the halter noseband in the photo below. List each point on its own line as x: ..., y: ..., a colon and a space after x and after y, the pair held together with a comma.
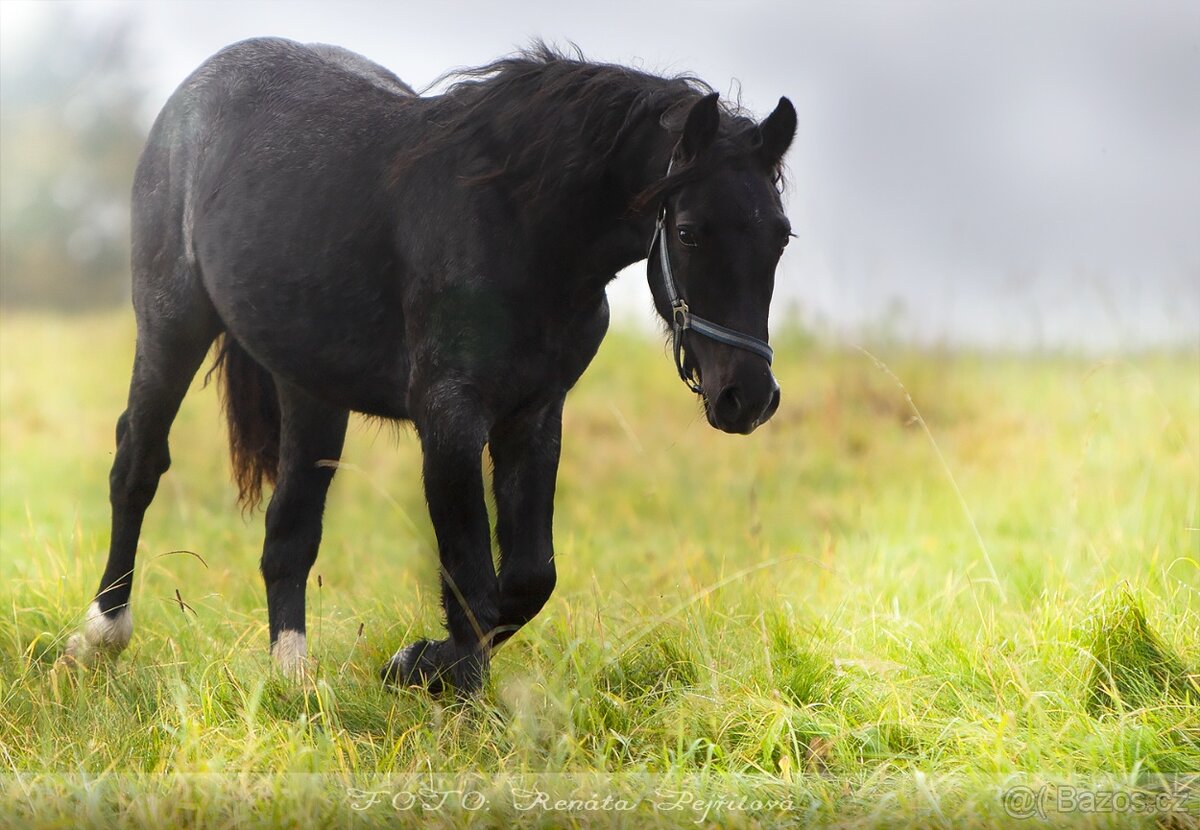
x: 683, y: 320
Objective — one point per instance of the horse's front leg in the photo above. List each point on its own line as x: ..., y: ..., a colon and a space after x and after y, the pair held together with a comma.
x: 452, y: 438
x: 525, y: 452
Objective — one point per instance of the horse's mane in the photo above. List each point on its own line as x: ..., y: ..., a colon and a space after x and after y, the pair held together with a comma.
x: 543, y: 118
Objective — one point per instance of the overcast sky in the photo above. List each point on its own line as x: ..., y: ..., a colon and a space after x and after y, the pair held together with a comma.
x: 990, y: 173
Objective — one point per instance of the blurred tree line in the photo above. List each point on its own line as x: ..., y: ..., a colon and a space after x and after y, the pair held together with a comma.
x: 71, y: 128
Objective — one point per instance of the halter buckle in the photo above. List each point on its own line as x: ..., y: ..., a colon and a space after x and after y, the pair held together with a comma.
x: 680, y: 314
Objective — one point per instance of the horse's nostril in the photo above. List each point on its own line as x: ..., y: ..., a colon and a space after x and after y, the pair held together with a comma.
x: 729, y: 404
x: 773, y: 405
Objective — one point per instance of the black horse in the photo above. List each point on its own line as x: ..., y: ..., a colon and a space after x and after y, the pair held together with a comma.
x: 351, y: 246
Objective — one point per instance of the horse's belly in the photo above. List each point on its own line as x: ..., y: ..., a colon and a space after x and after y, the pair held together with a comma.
x: 372, y: 382
x: 344, y: 348
x: 369, y: 378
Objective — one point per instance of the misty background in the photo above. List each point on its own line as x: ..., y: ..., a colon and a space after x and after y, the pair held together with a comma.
x: 1012, y: 175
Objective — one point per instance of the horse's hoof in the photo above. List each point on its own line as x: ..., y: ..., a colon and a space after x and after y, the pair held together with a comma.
x: 415, y: 665
x: 437, y: 666
x: 72, y: 658
x: 103, y: 636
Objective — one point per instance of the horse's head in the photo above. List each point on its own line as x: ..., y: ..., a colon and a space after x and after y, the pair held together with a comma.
x: 712, y: 265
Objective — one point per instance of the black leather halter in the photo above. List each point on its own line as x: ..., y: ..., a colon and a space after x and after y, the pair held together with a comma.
x: 682, y: 318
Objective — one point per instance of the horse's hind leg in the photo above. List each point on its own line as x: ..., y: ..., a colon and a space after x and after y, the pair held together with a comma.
x: 311, y: 432
x: 171, y: 345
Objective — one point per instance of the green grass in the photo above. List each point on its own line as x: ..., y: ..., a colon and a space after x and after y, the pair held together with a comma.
x: 807, y: 617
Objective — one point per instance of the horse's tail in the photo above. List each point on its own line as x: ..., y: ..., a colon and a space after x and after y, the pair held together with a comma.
x: 252, y: 408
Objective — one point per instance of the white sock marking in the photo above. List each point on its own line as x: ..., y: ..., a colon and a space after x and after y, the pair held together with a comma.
x: 289, y: 651
x: 101, y: 634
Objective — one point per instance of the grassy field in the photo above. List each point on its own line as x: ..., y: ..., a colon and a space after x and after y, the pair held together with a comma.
x: 853, y: 617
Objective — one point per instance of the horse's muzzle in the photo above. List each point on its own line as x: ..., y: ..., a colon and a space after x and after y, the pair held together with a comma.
x: 736, y: 410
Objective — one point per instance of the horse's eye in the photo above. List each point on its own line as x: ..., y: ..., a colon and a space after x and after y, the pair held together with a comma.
x: 688, y: 237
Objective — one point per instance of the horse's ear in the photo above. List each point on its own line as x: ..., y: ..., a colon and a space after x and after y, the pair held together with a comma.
x: 700, y: 128
x: 778, y: 129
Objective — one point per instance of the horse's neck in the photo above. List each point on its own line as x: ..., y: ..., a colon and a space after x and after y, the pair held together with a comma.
x: 611, y: 237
